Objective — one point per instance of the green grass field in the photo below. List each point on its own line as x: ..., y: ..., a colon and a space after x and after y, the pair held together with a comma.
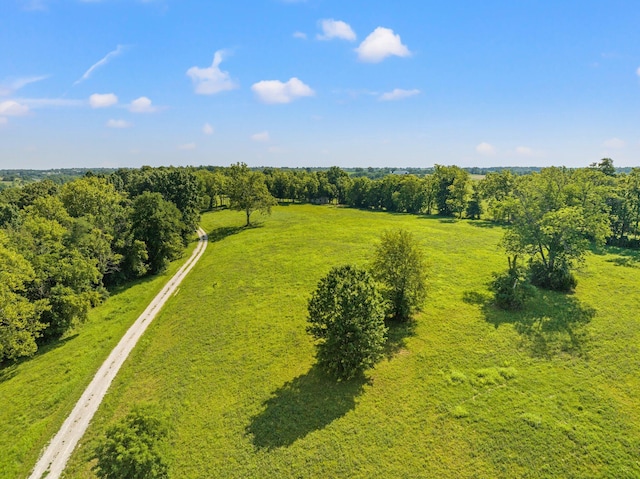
x: 467, y: 391
x: 37, y: 394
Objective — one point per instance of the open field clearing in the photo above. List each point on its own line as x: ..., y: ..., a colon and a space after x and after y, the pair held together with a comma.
x: 37, y: 394
x: 469, y: 391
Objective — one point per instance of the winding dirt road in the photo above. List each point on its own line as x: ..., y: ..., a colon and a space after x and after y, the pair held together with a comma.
x: 57, y: 453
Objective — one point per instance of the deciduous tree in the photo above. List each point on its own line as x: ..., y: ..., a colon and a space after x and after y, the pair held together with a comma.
x: 248, y: 192
x: 346, y: 316
x: 131, y: 448
x: 399, y: 265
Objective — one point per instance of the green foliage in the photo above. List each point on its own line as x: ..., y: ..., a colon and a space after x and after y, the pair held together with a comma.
x: 399, y: 265
x: 20, y: 324
x: 559, y: 278
x: 510, y: 288
x: 248, y: 192
x: 452, y: 184
x: 474, y: 205
x: 131, y: 448
x: 559, y: 215
x: 156, y: 222
x: 346, y: 317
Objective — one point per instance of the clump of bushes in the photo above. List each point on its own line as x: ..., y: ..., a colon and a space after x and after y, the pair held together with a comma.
x: 511, y: 288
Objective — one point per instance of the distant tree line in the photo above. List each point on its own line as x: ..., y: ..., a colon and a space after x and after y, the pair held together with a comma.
x: 63, y: 246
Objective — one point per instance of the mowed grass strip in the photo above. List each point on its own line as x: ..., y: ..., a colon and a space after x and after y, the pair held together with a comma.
x: 467, y: 391
x: 37, y: 394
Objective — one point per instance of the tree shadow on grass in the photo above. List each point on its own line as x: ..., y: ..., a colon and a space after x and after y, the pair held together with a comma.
x: 9, y: 368
x: 397, y: 333
x: 486, y: 224
x: 629, y: 258
x: 218, y: 234
x: 305, y: 404
x: 549, y: 325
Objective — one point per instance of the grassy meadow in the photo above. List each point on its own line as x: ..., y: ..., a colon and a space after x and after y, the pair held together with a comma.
x: 38, y: 393
x: 466, y: 391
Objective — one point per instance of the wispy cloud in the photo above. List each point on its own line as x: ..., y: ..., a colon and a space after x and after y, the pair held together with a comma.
x: 300, y: 35
x: 398, y: 94
x: 187, y: 147
x: 207, y: 129
x: 51, y: 102
x: 486, y: 149
x: 262, y: 137
x: 11, y: 87
x: 275, y: 91
x: 380, y: 44
x: 211, y: 80
x: 13, y: 108
x: 100, y: 63
x: 335, y: 29
x: 118, y: 124
x: 615, y: 143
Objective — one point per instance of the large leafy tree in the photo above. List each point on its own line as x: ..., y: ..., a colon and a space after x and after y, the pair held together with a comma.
x: 346, y: 317
x: 132, y: 448
x: 399, y: 265
x: 156, y: 223
x: 559, y: 214
x: 451, y: 189
x: 66, y: 278
x: 20, y: 324
x: 248, y: 191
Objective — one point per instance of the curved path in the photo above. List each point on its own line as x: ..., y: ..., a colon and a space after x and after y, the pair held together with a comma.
x: 55, y: 456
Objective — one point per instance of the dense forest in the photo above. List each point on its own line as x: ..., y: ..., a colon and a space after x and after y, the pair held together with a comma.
x: 64, y: 245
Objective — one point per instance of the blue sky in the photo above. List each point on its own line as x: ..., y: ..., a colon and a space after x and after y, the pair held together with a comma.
x: 318, y: 82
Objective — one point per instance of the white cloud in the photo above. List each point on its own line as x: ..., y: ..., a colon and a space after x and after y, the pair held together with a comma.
x: 207, y: 129
x: 614, y: 143
x: 275, y: 91
x: 638, y: 71
x: 524, y: 151
x: 119, y: 49
x: 398, y: 94
x: 211, y: 80
x: 380, y: 44
x: 118, y: 124
x: 187, y: 147
x: 300, y: 35
x: 3, y: 121
x: 18, y: 83
x: 486, y: 149
x: 13, y: 108
x: 98, y: 100
x: 142, y: 105
x: 261, y: 137
x: 335, y: 29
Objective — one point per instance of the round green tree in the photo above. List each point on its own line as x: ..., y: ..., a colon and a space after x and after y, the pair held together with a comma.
x: 346, y: 316
x: 131, y: 449
x: 400, y: 266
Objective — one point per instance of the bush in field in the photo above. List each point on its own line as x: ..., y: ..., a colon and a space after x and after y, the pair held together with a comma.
x: 510, y: 288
